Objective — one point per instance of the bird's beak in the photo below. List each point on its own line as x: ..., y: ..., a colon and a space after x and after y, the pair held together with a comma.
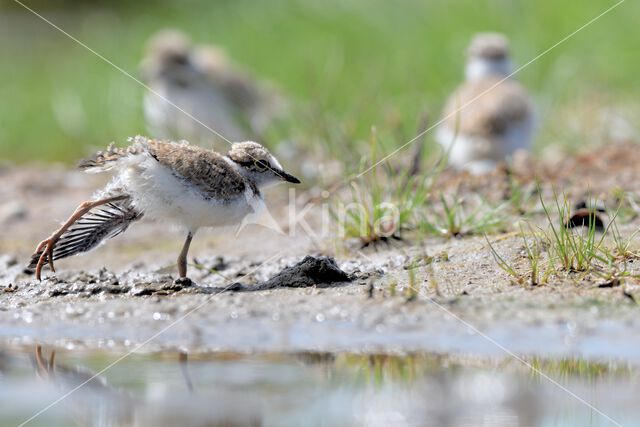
x: 287, y: 177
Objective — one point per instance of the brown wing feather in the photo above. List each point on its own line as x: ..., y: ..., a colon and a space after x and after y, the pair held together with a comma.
x: 487, y: 114
x: 203, y: 169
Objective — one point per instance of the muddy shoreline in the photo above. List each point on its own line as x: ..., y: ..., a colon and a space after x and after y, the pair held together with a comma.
x: 122, y: 295
x: 148, y: 312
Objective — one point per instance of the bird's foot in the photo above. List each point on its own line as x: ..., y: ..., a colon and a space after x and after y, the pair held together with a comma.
x: 184, y: 281
x: 46, y: 246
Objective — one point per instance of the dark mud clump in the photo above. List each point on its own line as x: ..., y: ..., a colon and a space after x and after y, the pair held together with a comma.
x: 311, y: 271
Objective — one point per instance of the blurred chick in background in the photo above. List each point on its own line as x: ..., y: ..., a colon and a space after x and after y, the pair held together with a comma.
x: 204, y: 83
x: 486, y: 120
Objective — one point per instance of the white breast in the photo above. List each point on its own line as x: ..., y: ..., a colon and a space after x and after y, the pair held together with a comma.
x: 479, y: 154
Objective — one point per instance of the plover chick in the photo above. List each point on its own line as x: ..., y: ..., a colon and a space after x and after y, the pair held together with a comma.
x: 173, y: 182
x: 486, y: 119
x: 202, y: 82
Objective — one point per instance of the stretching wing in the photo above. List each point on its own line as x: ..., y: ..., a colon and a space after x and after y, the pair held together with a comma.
x: 94, y: 227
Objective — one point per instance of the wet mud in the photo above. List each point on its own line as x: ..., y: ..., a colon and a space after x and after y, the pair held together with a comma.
x: 261, y: 291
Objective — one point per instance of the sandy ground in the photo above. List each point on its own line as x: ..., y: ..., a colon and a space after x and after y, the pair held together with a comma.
x: 122, y: 294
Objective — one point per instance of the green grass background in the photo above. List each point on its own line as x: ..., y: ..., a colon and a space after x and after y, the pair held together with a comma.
x: 348, y: 64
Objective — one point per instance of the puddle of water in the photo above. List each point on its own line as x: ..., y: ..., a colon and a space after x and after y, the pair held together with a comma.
x: 169, y: 389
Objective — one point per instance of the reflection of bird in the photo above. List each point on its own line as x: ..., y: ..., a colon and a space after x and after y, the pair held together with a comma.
x: 65, y: 376
x: 177, y: 183
x: 486, y: 119
x: 96, y: 397
x: 202, y: 82
x: 183, y: 360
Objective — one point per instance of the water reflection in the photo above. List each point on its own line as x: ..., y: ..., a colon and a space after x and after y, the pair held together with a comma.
x: 86, y: 397
x: 308, y: 389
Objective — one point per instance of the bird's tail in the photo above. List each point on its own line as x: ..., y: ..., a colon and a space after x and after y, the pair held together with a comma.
x: 94, y: 227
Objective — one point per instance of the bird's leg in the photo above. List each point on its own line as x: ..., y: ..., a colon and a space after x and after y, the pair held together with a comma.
x: 183, y: 359
x: 182, y: 262
x: 47, y: 245
x: 44, y: 368
x: 41, y: 362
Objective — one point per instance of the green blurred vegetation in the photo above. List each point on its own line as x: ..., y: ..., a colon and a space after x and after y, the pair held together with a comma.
x: 348, y: 65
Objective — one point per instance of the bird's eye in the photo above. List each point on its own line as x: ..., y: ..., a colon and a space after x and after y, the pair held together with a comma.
x: 179, y: 59
x: 261, y: 164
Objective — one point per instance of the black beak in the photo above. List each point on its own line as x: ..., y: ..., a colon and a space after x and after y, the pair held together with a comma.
x: 287, y: 177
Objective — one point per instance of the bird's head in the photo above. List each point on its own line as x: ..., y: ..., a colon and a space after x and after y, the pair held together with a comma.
x: 168, y: 56
x: 257, y: 163
x: 488, y: 56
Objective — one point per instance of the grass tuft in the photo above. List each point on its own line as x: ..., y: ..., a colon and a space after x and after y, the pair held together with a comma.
x: 561, y: 251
